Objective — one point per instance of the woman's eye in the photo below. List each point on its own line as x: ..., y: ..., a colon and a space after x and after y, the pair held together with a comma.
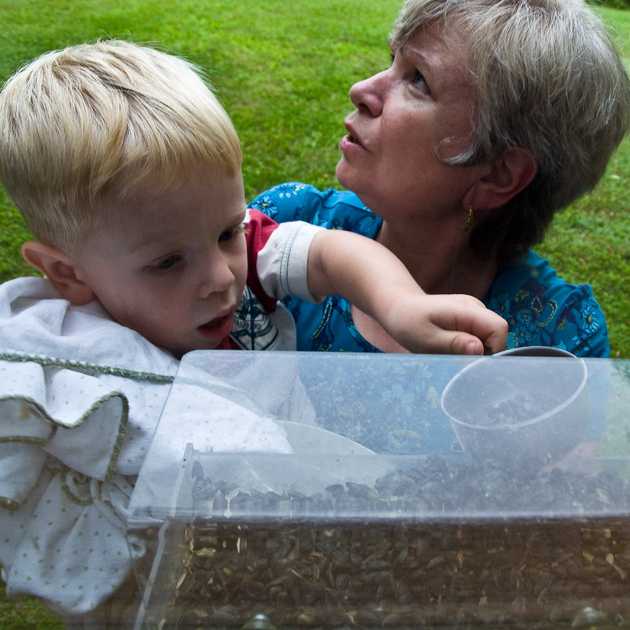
x: 419, y: 81
x: 167, y: 263
x: 410, y: 73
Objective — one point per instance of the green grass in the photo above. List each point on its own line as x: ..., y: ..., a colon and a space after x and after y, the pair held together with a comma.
x: 23, y: 614
x: 283, y: 70
x: 590, y: 241
x: 284, y: 76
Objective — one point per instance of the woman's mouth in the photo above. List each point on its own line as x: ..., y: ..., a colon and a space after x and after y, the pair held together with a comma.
x: 349, y: 144
x: 351, y: 137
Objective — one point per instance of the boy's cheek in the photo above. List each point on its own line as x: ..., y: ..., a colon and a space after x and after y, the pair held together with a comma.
x: 244, y: 262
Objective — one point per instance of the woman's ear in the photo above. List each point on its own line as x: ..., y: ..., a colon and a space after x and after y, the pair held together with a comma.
x: 508, y: 175
x: 59, y: 269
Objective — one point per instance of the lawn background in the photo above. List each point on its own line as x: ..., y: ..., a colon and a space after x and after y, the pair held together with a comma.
x: 283, y: 70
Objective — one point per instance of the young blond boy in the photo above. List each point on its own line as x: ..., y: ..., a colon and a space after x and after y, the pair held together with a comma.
x: 127, y: 171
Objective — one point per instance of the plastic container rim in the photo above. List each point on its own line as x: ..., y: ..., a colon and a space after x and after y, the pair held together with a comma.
x: 525, y: 423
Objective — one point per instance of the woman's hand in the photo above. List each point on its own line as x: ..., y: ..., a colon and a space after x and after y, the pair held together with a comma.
x: 444, y: 324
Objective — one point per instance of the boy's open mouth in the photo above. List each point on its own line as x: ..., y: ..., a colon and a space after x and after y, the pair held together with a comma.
x: 217, y: 326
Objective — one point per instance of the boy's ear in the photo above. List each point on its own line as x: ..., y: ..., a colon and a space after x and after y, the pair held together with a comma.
x: 507, y: 176
x: 59, y: 269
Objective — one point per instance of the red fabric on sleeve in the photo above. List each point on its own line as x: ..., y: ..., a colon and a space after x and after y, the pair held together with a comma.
x: 257, y: 232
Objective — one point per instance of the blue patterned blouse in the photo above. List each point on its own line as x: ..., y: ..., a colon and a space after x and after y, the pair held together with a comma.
x: 541, y: 308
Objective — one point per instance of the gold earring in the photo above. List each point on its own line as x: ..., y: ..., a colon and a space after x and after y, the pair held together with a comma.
x: 469, y: 220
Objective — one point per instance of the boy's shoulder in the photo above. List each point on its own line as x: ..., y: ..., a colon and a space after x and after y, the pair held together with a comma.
x: 20, y: 295
x: 36, y: 320
x: 28, y: 287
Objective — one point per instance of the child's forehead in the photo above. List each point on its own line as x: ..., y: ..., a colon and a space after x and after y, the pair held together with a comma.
x: 182, y: 182
x: 151, y: 210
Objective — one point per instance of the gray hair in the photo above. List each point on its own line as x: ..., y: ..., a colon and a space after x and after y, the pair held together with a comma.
x: 100, y: 119
x: 546, y: 78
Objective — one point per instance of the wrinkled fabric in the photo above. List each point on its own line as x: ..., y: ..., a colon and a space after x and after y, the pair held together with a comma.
x: 73, y: 434
x: 80, y: 399
x: 67, y: 544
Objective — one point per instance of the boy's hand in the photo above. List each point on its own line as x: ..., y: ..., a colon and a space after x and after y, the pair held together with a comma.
x: 445, y: 324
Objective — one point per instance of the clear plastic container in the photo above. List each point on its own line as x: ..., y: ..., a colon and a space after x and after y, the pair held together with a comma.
x: 354, y: 503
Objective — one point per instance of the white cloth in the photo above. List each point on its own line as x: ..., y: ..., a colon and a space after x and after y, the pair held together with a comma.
x: 80, y: 397
x: 283, y: 262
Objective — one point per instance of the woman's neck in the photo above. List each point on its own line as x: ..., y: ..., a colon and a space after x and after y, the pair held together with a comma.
x: 439, y: 258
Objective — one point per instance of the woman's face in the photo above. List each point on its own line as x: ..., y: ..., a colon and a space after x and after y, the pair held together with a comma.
x: 403, y: 116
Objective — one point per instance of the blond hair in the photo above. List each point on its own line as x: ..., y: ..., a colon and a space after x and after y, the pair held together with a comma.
x: 100, y: 119
x: 547, y: 78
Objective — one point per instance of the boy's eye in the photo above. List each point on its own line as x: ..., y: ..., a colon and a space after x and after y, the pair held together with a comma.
x: 167, y: 263
x: 228, y: 235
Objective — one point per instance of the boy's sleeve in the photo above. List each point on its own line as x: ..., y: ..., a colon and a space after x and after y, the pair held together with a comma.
x: 277, y: 256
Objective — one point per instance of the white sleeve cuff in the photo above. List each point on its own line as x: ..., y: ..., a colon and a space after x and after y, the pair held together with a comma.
x: 283, y: 262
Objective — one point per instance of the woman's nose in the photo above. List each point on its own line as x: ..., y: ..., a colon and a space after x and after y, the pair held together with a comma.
x: 367, y: 95
x: 217, y: 277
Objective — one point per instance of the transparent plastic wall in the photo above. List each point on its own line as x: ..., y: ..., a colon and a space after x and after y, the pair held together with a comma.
x: 330, y: 490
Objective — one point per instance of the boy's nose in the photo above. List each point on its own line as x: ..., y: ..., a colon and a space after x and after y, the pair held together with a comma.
x: 218, y: 278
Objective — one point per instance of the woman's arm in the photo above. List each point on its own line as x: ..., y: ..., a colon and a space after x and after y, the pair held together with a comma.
x: 371, y: 277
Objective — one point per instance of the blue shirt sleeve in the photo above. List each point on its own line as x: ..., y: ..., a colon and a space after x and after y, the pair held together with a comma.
x: 543, y: 309
x: 582, y: 328
x: 291, y: 201
x: 332, y: 209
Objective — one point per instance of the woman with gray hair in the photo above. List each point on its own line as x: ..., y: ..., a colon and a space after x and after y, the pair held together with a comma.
x: 493, y: 115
